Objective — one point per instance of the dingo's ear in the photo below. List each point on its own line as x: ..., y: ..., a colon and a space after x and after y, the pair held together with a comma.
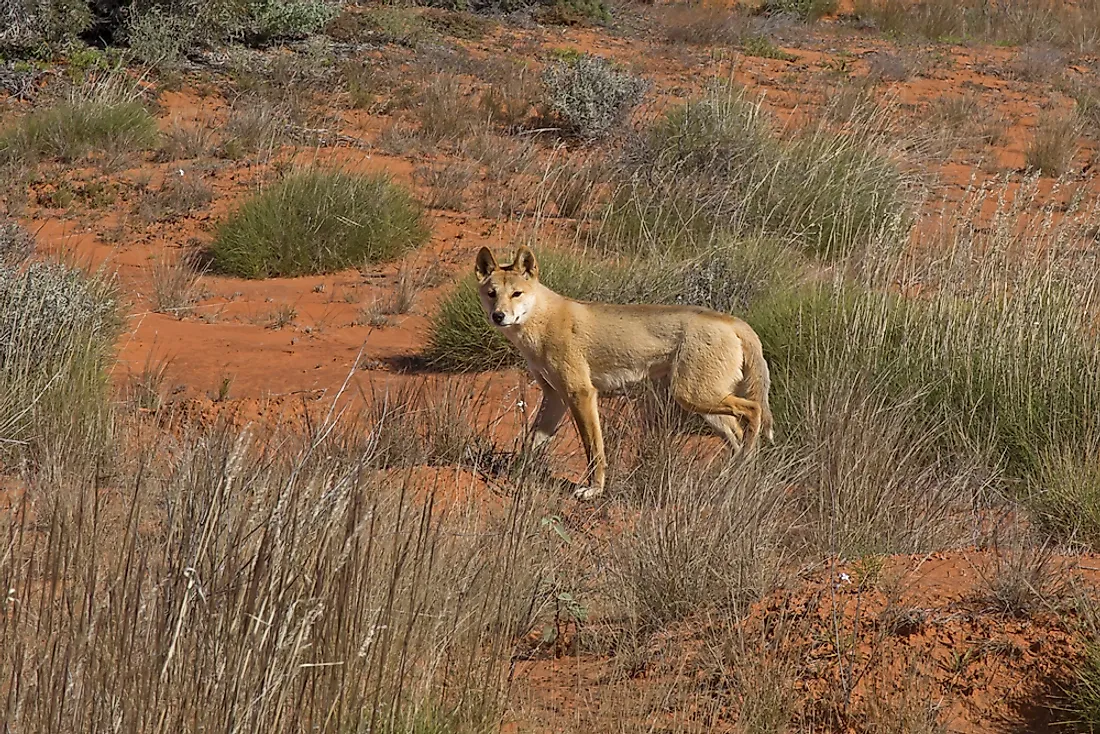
x: 486, y: 263
x: 525, y: 263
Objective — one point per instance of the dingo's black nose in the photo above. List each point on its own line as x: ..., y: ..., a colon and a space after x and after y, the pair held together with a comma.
x: 498, y: 317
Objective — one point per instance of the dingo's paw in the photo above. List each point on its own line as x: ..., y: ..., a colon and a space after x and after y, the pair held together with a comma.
x: 587, y: 493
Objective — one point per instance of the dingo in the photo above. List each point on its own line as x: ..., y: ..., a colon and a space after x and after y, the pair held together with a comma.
x: 713, y: 362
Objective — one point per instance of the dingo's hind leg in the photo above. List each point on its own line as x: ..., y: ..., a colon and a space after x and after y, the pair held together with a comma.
x: 731, y: 405
x: 729, y: 428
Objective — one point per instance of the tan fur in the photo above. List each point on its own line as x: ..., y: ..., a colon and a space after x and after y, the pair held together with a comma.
x: 713, y: 362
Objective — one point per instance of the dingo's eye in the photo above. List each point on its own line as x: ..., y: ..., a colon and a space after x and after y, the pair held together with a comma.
x: 492, y: 293
x: 517, y: 294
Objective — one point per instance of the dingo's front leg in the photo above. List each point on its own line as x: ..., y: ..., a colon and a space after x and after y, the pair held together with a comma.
x: 551, y: 411
x: 584, y: 406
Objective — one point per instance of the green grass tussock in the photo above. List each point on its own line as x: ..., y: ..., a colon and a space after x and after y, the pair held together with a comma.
x: 716, y: 165
x: 103, y: 116
x: 317, y: 221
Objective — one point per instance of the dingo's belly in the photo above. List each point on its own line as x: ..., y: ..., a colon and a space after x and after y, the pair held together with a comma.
x: 613, y: 380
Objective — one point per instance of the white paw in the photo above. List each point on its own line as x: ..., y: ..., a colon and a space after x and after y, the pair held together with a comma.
x: 587, y: 493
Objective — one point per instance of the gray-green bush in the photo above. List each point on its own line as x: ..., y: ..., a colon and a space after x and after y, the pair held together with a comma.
x: 590, y: 97
x: 317, y: 221
x: 57, y: 332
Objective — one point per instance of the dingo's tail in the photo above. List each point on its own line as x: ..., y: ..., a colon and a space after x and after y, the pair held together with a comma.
x: 757, y: 379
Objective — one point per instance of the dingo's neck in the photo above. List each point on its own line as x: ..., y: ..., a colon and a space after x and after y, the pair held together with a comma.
x: 528, y: 336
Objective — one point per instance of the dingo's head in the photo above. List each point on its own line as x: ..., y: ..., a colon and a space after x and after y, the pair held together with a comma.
x: 506, y: 291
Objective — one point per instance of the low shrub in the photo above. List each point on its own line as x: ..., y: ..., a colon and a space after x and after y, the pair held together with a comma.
x: 317, y: 221
x: 590, y: 97
x: 57, y: 333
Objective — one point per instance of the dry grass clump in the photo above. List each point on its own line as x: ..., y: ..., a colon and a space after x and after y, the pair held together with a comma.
x: 511, y: 97
x: 1049, y: 22
x: 449, y: 182
x: 1024, y: 580
x: 703, y: 23
x: 1052, y: 149
x: 103, y: 115
x: 175, y: 285
x: 891, y: 67
x: 181, y: 194
x: 184, y: 142
x: 574, y: 185
x: 255, y: 125
x: 444, y: 112
x: 703, y: 538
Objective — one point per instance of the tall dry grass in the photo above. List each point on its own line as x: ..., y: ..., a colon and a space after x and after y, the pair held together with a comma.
x: 249, y: 583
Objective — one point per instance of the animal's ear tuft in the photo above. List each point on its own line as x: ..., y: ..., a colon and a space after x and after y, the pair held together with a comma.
x: 486, y: 263
x: 525, y: 263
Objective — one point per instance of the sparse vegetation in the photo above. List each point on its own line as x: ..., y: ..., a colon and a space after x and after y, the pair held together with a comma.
x: 317, y: 221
